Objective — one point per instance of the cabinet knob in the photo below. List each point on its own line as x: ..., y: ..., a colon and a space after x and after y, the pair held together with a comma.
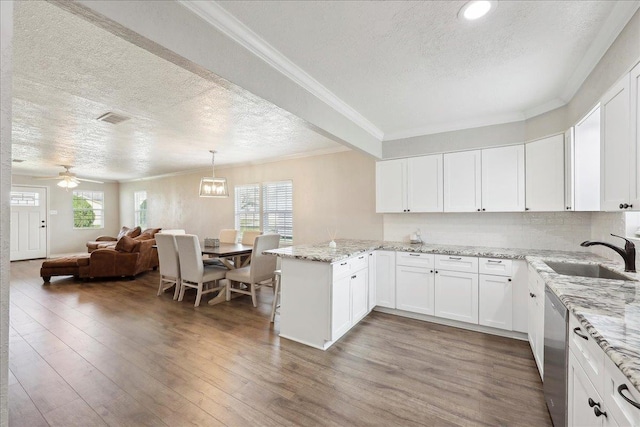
x: 509, y: 279
x: 431, y: 271
x: 626, y: 206
x: 598, y: 412
x: 483, y: 209
x: 630, y: 206
x: 436, y: 271
x: 621, y: 205
x: 478, y: 209
x: 526, y: 209
x: 568, y: 207
x: 532, y: 295
x: 593, y: 403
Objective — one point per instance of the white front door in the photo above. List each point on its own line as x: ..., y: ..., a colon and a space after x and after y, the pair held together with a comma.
x: 28, y: 223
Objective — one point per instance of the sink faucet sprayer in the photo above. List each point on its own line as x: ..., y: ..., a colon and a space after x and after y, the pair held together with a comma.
x: 628, y: 254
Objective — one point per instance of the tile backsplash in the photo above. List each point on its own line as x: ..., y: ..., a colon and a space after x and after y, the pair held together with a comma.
x: 535, y: 230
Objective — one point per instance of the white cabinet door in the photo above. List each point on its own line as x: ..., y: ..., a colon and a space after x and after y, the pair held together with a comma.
x: 545, y: 174
x: 520, y: 296
x: 340, y: 307
x: 359, y: 302
x: 424, y: 184
x: 456, y: 296
x: 503, y: 179
x: 615, y: 147
x: 635, y: 135
x: 415, y: 289
x: 570, y: 169
x: 495, y: 299
x: 386, y: 279
x: 391, y: 185
x: 462, y: 181
x: 580, y: 412
x: 371, y: 289
x: 587, y: 162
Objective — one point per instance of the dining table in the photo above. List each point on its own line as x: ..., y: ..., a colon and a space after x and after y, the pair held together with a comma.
x: 238, y: 253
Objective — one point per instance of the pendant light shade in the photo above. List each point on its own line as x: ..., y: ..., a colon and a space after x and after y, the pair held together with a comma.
x: 212, y: 186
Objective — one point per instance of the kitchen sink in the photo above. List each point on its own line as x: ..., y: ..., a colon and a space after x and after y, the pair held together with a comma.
x: 585, y: 270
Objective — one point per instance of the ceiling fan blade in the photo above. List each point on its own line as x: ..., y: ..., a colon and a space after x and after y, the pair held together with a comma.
x: 46, y: 177
x: 89, y: 180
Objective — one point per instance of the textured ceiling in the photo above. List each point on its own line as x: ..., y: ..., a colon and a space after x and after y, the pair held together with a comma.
x: 68, y: 72
x: 414, y: 67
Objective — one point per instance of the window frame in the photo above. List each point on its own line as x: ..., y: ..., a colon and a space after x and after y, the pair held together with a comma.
x: 91, y: 200
x: 137, y: 211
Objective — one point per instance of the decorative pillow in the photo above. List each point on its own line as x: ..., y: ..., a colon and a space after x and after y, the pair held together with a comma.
x: 123, y: 232
x: 127, y: 244
x: 134, y: 232
x: 144, y: 236
x: 151, y: 231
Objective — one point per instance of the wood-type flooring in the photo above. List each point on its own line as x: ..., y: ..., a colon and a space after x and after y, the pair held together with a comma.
x: 113, y: 353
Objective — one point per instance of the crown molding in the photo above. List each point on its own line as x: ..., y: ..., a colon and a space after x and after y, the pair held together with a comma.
x: 454, y: 126
x: 225, y: 22
x: 622, y: 12
x: 544, y: 108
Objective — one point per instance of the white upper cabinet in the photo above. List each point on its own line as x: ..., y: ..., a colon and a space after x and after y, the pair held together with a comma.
x: 634, y: 126
x: 503, y: 179
x: 463, y: 181
x: 409, y: 185
x: 424, y: 184
x: 615, y: 151
x: 391, y: 186
x: 545, y: 180
x: 586, y: 163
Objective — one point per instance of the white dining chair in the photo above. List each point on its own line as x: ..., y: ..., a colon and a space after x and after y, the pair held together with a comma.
x: 248, y: 237
x: 228, y: 236
x: 172, y: 231
x: 169, y: 265
x: 193, y: 273
x: 259, y: 272
x: 276, y: 294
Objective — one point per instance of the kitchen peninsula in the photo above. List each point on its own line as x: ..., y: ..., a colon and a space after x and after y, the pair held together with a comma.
x: 326, y: 291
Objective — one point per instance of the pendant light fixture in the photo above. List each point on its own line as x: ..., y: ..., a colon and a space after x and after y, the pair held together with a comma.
x: 212, y: 186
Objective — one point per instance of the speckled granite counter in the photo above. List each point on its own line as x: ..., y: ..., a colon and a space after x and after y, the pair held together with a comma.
x: 608, y: 309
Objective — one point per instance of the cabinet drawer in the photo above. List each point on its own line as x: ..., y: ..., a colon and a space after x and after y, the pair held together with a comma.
x: 359, y: 262
x: 341, y: 269
x: 463, y: 264
x: 620, y: 396
x: 587, y: 352
x: 496, y: 267
x: 413, y: 259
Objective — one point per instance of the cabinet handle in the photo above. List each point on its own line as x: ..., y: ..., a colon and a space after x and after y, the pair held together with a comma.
x: 344, y: 263
x: 361, y: 257
x: 598, y: 412
x: 414, y: 254
x: 622, y: 388
x: 455, y: 258
x: 532, y: 295
x: 593, y: 403
x: 626, y: 206
x: 577, y: 332
x: 494, y: 261
x: 354, y: 276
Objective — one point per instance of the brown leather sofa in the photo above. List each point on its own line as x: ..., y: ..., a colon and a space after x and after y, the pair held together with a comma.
x: 110, y: 242
x: 115, y: 262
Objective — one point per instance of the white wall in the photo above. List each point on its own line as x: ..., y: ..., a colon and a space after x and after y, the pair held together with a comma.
x: 63, y: 238
x: 6, y: 70
x: 527, y: 230
x: 335, y: 191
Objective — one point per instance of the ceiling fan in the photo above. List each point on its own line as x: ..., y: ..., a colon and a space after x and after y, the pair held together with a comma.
x: 69, y: 179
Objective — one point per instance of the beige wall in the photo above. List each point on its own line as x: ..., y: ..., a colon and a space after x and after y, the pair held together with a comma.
x: 63, y: 238
x: 333, y: 191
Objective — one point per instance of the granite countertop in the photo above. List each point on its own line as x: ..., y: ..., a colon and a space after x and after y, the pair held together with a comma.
x: 608, y: 309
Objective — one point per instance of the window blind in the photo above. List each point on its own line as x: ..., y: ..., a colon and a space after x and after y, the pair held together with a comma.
x: 277, y: 209
x: 247, y: 209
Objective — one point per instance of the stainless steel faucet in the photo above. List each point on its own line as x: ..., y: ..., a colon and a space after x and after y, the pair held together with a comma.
x: 628, y: 254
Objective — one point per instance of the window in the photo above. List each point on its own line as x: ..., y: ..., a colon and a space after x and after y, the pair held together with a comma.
x: 25, y: 198
x: 248, y: 207
x: 88, y: 209
x: 267, y: 207
x: 277, y: 210
x: 140, y: 209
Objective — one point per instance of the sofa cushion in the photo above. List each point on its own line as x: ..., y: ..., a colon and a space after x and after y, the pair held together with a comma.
x: 144, y: 236
x: 134, y: 232
x: 122, y: 232
x: 127, y: 244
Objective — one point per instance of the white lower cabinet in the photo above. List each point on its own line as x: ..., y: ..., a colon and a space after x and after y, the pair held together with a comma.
x: 341, y: 307
x: 386, y: 279
x: 349, y: 295
x: 456, y: 296
x: 372, y: 280
x: 415, y: 289
x: 585, y: 407
x: 359, y: 298
x: 535, y: 311
x: 620, y: 397
x: 496, y: 302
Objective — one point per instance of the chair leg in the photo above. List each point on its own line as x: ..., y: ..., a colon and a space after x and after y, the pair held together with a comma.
x: 199, y: 296
x: 253, y: 294
x: 182, y: 287
x: 229, y: 284
x: 276, y: 294
x: 177, y: 289
x: 160, y: 287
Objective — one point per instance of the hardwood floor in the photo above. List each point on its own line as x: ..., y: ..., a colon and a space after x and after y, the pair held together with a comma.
x: 112, y: 353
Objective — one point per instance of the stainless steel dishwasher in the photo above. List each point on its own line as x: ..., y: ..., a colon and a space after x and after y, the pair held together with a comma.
x: 556, y: 323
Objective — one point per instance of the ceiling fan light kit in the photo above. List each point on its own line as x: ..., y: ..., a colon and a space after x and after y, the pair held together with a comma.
x: 67, y: 183
x: 212, y: 186
x: 68, y: 179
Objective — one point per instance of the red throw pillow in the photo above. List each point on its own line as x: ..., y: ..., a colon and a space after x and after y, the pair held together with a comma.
x: 127, y: 244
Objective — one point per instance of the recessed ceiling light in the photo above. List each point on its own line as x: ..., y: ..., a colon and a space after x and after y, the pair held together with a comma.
x: 475, y: 9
